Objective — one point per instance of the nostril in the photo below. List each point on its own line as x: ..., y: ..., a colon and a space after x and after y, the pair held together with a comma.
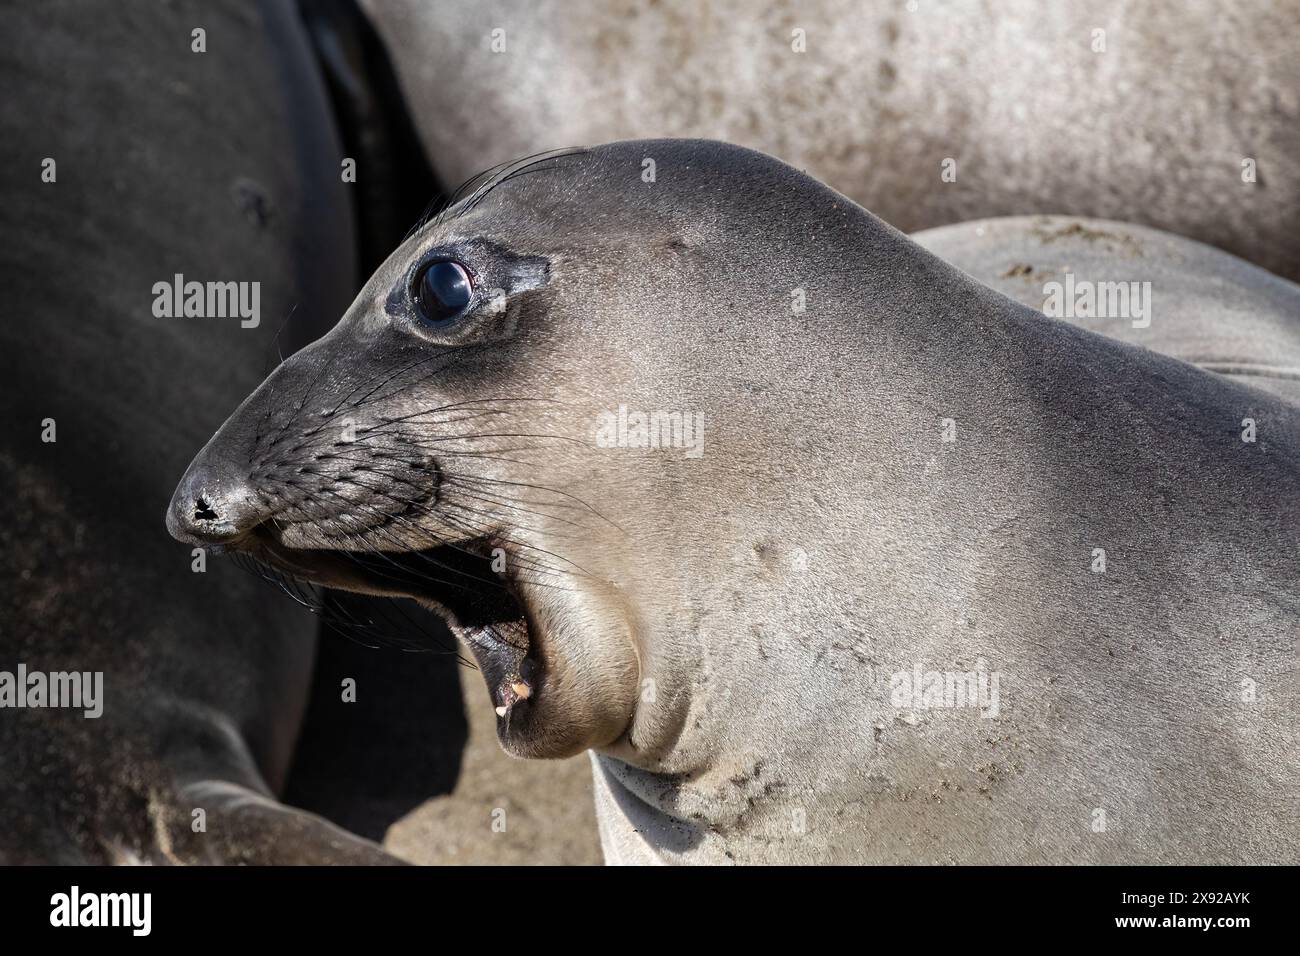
x: 211, y: 506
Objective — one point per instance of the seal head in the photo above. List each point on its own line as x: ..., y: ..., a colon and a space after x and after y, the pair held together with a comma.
x: 708, y: 466
x: 509, y: 425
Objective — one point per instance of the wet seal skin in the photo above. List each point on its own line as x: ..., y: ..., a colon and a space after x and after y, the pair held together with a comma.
x: 906, y: 474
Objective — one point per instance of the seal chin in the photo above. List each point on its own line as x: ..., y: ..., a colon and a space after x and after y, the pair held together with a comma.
x: 556, y: 679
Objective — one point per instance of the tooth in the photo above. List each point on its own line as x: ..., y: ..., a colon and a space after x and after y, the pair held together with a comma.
x: 501, y: 711
x: 522, y: 690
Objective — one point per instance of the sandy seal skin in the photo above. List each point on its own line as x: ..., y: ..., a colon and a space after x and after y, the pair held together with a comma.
x: 218, y: 166
x: 727, y: 631
x: 1153, y: 129
x: 1206, y: 307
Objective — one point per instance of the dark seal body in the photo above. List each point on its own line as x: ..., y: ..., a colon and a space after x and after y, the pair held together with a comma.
x: 220, y: 166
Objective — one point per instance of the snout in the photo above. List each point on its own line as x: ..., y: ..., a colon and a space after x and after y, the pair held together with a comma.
x: 214, y: 504
x: 222, y: 498
x: 288, y: 469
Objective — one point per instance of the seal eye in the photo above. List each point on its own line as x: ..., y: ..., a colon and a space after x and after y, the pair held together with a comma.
x: 442, y: 291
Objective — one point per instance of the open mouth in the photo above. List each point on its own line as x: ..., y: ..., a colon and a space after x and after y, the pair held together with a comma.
x: 455, y: 581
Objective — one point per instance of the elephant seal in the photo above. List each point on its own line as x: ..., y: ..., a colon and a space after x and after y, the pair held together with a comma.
x: 1175, y: 296
x: 202, y: 677
x: 827, y: 551
x: 926, y: 113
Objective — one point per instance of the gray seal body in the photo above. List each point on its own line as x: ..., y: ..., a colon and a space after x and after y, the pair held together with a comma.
x: 827, y: 551
x: 940, y: 114
x: 1163, y: 292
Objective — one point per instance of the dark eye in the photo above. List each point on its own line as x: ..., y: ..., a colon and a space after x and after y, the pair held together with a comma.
x: 442, y: 291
